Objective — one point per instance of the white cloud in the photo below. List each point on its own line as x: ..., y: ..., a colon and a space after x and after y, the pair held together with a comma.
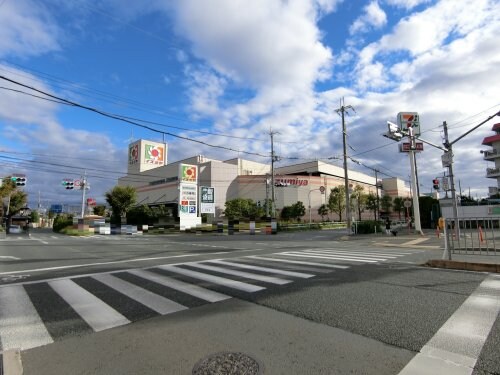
x: 407, y: 4
x: 27, y: 29
x: 373, y: 17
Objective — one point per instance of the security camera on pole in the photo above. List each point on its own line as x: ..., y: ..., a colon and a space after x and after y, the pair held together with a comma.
x: 409, y: 125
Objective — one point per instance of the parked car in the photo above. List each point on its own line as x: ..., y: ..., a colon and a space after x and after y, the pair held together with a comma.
x: 15, y: 229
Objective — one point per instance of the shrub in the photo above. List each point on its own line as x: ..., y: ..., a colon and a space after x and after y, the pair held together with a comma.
x: 368, y: 227
x: 61, y: 222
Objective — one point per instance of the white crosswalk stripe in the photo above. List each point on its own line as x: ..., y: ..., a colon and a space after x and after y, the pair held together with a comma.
x: 95, y: 312
x: 21, y: 326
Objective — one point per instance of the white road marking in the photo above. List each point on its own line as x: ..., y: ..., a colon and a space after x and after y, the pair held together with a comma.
x: 327, y: 265
x: 215, y: 279
x: 248, y: 275
x: 95, y: 312
x: 155, y: 302
x: 356, y: 255
x: 20, y: 324
x: 9, y: 257
x: 97, y: 264
x: 265, y: 269
x: 455, y: 347
x: 305, y: 255
x: 191, y: 289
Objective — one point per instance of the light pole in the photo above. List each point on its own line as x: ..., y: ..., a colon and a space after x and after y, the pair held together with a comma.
x: 309, y: 199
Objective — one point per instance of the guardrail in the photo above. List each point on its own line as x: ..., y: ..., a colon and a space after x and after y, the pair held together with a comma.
x: 474, y: 236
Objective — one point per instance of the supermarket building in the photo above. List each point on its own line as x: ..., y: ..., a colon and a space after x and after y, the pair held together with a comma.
x: 178, y: 185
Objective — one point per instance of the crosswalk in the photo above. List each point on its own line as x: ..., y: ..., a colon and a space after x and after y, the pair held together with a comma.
x: 38, y: 313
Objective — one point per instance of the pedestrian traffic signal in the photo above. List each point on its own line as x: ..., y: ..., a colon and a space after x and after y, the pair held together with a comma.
x: 19, y: 180
x: 68, y: 184
x: 435, y: 184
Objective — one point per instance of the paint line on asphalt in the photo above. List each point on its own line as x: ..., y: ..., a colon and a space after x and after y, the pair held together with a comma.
x: 154, y: 301
x: 191, y: 289
x: 95, y: 312
x: 331, y: 257
x: 265, y: 269
x: 298, y: 262
x: 20, y: 324
x: 455, y: 347
x: 353, y: 254
x: 98, y: 264
x: 9, y: 257
x: 248, y: 275
x: 214, y: 279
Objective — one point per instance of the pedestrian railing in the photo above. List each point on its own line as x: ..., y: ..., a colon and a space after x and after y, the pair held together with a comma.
x: 474, y: 236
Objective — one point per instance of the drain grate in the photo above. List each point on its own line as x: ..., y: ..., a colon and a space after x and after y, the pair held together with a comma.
x: 228, y: 363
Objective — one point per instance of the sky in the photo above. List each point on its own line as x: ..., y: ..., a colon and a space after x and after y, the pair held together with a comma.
x: 215, y: 77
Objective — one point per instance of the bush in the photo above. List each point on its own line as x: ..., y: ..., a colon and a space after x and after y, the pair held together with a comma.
x: 368, y: 227
x: 61, y: 222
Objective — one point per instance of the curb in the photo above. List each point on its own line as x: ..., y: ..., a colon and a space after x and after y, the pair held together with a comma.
x: 12, y: 364
x: 468, y: 266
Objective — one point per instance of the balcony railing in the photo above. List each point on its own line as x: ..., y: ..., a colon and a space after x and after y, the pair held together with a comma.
x: 493, y: 172
x: 491, y: 154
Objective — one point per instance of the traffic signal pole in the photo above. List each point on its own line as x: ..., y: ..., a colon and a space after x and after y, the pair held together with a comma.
x: 416, y: 206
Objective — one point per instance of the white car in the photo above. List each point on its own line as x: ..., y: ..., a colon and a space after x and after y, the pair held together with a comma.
x: 15, y: 229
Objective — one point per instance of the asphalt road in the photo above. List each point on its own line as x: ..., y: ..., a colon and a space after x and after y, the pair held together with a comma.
x: 277, y: 296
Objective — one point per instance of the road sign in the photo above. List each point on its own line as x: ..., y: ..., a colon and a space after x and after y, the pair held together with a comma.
x: 447, y: 159
x: 407, y: 203
x: 445, y: 183
x: 405, y: 147
x: 408, y: 120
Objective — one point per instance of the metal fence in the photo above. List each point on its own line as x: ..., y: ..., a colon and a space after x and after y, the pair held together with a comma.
x: 474, y: 236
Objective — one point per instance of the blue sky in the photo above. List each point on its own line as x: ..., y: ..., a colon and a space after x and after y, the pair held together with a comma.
x: 239, y: 68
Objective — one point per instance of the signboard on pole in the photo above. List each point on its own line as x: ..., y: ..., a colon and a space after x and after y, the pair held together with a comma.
x: 207, y: 200
x: 188, y: 190
x: 447, y: 159
x: 405, y: 147
x: 408, y: 120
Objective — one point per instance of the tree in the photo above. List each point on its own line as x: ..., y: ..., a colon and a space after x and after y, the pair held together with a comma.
x: 99, y: 210
x: 372, y: 204
x: 361, y: 199
x: 286, y: 213
x: 121, y: 198
x: 399, y: 205
x: 18, y: 200
x: 336, y: 201
x: 323, y: 211
x: 386, y: 203
x: 242, y: 208
x: 298, y: 210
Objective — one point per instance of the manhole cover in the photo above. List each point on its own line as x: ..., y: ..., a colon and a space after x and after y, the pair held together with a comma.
x: 227, y: 363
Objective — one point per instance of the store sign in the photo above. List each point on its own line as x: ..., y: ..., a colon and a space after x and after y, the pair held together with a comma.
x: 207, y: 200
x: 154, y: 154
x: 188, y: 173
x: 408, y: 120
x: 133, y: 154
x: 188, y: 198
x: 284, y: 181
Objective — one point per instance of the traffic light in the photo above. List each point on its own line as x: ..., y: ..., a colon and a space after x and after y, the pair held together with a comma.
x: 68, y: 184
x: 435, y: 184
x: 19, y: 180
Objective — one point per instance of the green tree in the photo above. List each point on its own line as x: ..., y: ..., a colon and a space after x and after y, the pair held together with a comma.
x: 242, y: 208
x: 323, y: 211
x: 399, y: 205
x: 35, y: 217
x: 18, y: 200
x: 121, y: 199
x: 99, y: 210
x: 336, y: 201
x: 286, y: 213
x: 359, y: 195
x: 372, y: 204
x: 298, y: 210
x: 386, y: 203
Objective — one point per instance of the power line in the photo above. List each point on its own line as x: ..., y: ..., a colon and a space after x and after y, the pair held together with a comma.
x: 121, y: 118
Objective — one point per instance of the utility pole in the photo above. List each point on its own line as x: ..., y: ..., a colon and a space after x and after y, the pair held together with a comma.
x: 376, y: 188
x: 83, y: 185
x: 273, y: 159
x: 416, y: 206
x: 449, y: 147
x: 342, y: 110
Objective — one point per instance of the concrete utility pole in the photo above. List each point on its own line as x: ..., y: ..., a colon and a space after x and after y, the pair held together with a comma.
x: 83, y: 185
x: 273, y: 159
x: 416, y: 206
x: 449, y: 147
x: 342, y: 110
